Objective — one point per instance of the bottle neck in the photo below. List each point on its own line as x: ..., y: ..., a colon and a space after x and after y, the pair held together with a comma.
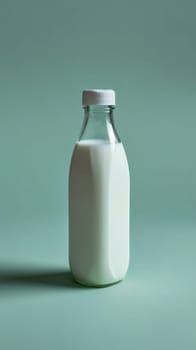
x: 99, y: 124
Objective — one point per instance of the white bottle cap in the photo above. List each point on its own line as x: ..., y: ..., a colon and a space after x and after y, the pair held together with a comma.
x: 98, y: 97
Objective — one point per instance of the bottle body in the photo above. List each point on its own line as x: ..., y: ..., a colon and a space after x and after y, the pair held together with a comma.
x: 99, y: 213
x: 99, y: 195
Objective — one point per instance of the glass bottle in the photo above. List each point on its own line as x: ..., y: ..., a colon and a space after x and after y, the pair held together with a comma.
x: 99, y: 198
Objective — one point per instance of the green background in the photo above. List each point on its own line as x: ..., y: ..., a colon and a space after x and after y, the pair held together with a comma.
x: 49, y: 52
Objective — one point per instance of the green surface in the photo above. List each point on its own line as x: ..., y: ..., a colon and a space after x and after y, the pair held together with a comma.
x: 49, y: 52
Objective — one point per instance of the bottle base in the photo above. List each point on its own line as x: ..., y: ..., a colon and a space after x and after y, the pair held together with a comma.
x: 96, y: 285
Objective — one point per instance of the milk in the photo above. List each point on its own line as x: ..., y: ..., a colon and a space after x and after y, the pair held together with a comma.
x: 99, y: 212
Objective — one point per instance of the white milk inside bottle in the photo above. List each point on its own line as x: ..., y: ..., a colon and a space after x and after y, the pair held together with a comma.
x: 99, y: 195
